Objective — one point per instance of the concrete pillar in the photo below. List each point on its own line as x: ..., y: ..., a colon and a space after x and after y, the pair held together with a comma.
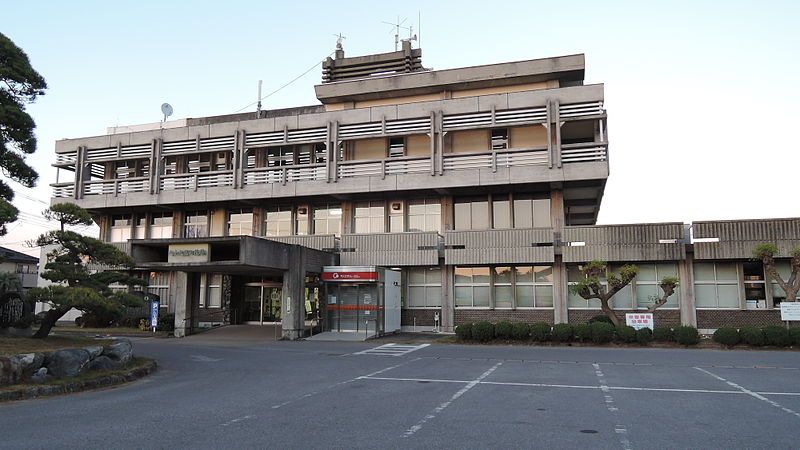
x: 560, y: 291
x: 448, y: 312
x: 183, y: 304
x: 687, y: 306
x: 293, y: 295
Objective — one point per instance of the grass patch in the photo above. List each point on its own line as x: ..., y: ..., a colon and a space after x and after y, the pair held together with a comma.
x: 12, y: 345
x: 110, y: 331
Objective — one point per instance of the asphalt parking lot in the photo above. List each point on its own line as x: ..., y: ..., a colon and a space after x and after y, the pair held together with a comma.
x: 213, y: 394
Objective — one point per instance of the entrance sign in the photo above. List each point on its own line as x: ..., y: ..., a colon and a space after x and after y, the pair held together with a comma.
x: 188, y: 253
x: 790, y: 311
x: 350, y: 276
x: 154, y: 305
x: 639, y: 320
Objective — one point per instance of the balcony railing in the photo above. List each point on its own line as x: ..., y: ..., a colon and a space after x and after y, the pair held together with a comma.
x: 196, y: 180
x: 63, y: 190
x: 283, y: 174
x: 584, y: 152
x: 503, y: 158
x: 118, y: 186
x: 383, y: 167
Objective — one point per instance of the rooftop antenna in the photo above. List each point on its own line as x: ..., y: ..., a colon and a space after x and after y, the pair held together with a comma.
x: 166, y: 109
x: 339, y: 39
x: 396, y: 27
x: 258, y: 107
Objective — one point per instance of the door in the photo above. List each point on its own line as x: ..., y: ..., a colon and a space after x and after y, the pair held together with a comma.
x: 262, y: 302
x: 251, y: 306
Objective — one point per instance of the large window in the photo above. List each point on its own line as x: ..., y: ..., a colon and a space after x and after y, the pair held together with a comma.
x: 161, y: 226
x: 521, y: 211
x: 140, y: 230
x: 195, y: 224
x: 425, y: 215
x: 716, y: 285
x: 503, y: 287
x: 534, y: 286
x: 647, y: 284
x: 278, y: 221
x: 370, y: 217
x: 501, y: 212
x: 120, y: 228
x: 211, y: 290
x: 302, y: 221
x: 622, y: 299
x: 472, y: 287
x: 472, y: 213
x: 158, y: 284
x: 424, y: 287
x: 328, y: 219
x: 500, y: 139
x: 240, y: 222
x: 531, y: 212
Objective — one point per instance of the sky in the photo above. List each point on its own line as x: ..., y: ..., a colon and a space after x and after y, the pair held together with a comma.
x: 700, y: 95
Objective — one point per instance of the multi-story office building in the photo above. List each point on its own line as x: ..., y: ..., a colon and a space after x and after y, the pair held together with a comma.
x: 481, y: 184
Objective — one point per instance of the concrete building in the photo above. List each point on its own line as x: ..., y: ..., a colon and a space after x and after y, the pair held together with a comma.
x: 481, y: 184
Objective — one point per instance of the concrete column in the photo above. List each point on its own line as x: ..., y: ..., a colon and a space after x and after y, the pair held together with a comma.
x: 293, y: 295
x: 183, y: 304
x: 448, y: 312
x: 560, y: 291
x: 687, y: 305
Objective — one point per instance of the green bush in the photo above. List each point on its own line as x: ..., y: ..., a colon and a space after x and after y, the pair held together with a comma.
x: 663, y: 334
x: 752, y: 336
x: 483, y: 331
x: 644, y: 336
x: 166, y: 322
x: 464, y: 331
x: 794, y: 335
x: 562, y: 332
x: 686, y: 335
x: 727, y: 336
x: 520, y: 331
x: 602, y: 332
x: 601, y: 318
x: 777, y: 335
x: 502, y: 330
x: 540, y: 331
x: 582, y: 332
x: 626, y: 334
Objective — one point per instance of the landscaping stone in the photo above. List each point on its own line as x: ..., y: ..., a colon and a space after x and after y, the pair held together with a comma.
x: 94, y: 351
x: 40, y: 376
x: 120, y: 351
x: 30, y: 362
x: 102, y: 362
x: 67, y: 363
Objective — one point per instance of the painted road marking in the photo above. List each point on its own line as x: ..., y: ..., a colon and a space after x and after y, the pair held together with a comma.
x: 751, y: 393
x: 202, y: 358
x: 392, y: 350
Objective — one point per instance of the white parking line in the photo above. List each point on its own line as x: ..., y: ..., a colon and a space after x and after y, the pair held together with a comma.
x: 620, y: 429
x: 392, y: 350
x: 751, y: 393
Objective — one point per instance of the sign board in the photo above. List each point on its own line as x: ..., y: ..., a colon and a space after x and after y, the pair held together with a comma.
x: 350, y: 276
x: 639, y: 320
x: 790, y: 311
x: 154, y: 305
x: 189, y: 253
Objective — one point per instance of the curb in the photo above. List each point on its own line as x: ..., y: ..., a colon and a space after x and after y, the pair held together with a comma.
x: 79, y: 386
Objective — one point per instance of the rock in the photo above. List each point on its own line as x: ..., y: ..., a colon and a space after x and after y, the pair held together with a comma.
x: 120, y: 351
x: 94, y: 351
x: 68, y: 362
x: 40, y: 376
x: 10, y: 370
x: 30, y: 362
x: 102, y: 362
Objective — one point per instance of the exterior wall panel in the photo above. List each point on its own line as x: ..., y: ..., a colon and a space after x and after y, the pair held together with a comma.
x: 391, y: 249
x: 738, y: 238
x: 521, y: 246
x: 624, y: 243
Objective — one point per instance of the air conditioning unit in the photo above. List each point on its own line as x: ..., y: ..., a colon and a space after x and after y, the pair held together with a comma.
x: 396, y: 207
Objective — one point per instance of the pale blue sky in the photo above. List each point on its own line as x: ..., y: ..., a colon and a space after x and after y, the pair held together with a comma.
x: 700, y: 95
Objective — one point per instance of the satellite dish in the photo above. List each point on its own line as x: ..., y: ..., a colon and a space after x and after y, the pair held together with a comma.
x: 166, y: 108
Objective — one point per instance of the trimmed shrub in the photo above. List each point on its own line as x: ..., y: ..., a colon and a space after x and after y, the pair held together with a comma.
x: 483, y: 331
x: 601, y: 318
x: 464, y: 331
x: 562, y: 332
x: 520, y: 331
x: 166, y: 322
x: 626, y: 334
x: 727, y: 336
x: 540, y: 331
x: 794, y: 335
x: 777, y: 335
x: 663, y: 334
x: 602, y: 332
x: 686, y: 335
x: 502, y: 330
x: 644, y: 336
x: 752, y: 336
x: 582, y: 332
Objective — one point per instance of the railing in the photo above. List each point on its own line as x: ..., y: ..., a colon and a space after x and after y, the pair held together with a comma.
x: 66, y: 158
x: 196, y: 180
x: 584, y: 152
x: 383, y: 167
x: 283, y: 174
x: 63, y: 190
x: 503, y: 158
x: 118, y: 186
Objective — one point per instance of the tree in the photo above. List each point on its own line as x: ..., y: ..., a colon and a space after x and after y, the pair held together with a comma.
x: 77, y: 286
x: 68, y: 214
x: 20, y: 84
x: 766, y: 254
x: 592, y: 286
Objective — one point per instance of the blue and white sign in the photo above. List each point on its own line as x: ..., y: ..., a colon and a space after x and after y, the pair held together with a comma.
x: 154, y: 305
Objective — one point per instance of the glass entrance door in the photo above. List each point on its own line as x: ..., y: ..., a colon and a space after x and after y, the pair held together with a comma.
x: 354, y: 307
x: 262, y: 302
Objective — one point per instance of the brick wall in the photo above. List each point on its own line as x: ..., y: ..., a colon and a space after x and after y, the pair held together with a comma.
x: 715, y: 318
x: 671, y: 317
x: 424, y: 316
x: 462, y: 316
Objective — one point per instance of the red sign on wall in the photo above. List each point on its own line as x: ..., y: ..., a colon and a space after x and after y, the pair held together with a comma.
x: 350, y: 276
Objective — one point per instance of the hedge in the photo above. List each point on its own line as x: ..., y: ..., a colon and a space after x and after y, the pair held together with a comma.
x: 752, y: 336
x: 602, y: 332
x: 503, y: 330
x: 727, y: 336
x: 583, y: 332
x: 464, y: 332
x: 521, y: 331
x: 626, y: 334
x: 644, y: 336
x: 483, y: 331
x: 540, y: 331
x: 663, y: 334
x: 562, y: 332
x: 777, y: 336
x: 686, y: 335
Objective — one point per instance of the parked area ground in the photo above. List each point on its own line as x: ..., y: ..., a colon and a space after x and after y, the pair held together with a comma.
x: 246, y: 392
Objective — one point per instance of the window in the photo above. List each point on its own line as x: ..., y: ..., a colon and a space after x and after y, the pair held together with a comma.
x: 500, y: 139
x: 472, y: 286
x: 311, y: 154
x: 280, y: 156
x: 120, y: 228
x: 214, y: 290
x: 785, y: 271
x: 161, y: 226
x: 647, y: 286
x: 397, y: 147
x: 240, y: 222
x: 716, y: 285
x: 534, y: 286
x: 369, y: 217
x: 195, y: 224
x: 328, y: 219
x: 131, y: 169
x: 501, y: 212
x: 503, y: 287
x: 472, y: 213
x: 302, y: 220
x: 199, y: 162
x: 278, y: 221
x: 755, y: 288
x: 158, y: 284
x: 574, y: 275
x: 141, y: 227
x: 424, y: 287
x: 425, y: 215
x: 530, y: 212
x: 396, y: 217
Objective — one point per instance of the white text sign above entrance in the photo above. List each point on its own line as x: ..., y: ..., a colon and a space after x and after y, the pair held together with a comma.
x: 188, y: 253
